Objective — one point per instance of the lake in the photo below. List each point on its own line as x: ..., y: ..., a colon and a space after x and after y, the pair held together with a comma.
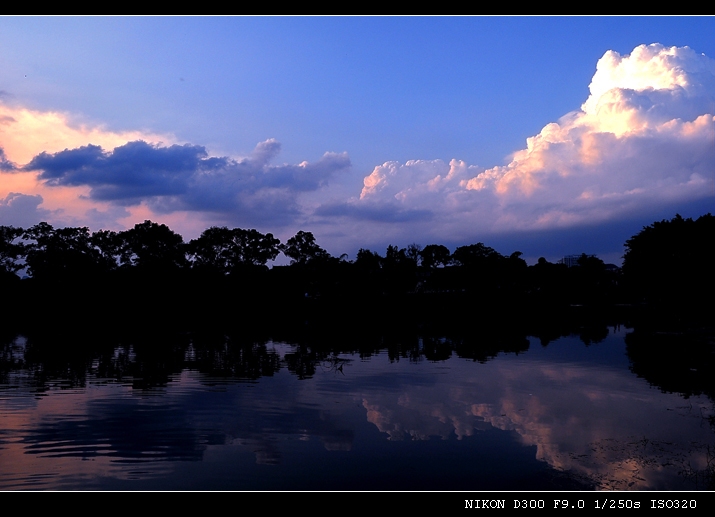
x: 425, y: 413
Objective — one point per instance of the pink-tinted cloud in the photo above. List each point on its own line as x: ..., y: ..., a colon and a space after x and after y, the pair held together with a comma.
x: 644, y: 138
x: 89, y: 175
x: 26, y: 133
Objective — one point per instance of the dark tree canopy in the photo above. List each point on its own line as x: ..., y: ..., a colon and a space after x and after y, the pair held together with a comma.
x: 591, y: 263
x: 368, y: 260
x: 59, y: 253
x: 302, y: 249
x: 670, y: 261
x: 435, y: 255
x: 414, y: 253
x: 667, y: 269
x: 395, y: 257
x: 109, y: 246
x: 475, y: 255
x: 225, y: 249
x: 10, y: 250
x: 677, y: 243
x: 151, y: 245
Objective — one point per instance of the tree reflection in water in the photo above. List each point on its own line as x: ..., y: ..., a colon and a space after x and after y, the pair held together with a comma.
x: 560, y: 408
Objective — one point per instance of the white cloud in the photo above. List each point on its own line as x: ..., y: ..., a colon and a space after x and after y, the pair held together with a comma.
x: 643, y: 138
x: 416, y: 178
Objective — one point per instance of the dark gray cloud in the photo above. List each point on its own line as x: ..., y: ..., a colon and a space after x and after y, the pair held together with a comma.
x: 128, y: 174
x: 5, y: 164
x: 383, y: 212
x: 185, y: 177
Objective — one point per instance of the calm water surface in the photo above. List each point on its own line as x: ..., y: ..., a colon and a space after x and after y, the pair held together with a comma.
x: 562, y: 416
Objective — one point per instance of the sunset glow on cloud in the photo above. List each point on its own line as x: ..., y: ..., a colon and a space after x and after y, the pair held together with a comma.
x: 163, y: 178
x: 640, y: 141
x: 643, y: 137
x: 24, y: 199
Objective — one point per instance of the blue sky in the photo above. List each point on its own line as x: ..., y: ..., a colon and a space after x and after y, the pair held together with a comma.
x: 253, y: 105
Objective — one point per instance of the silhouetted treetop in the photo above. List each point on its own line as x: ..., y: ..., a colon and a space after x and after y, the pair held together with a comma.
x: 226, y: 249
x: 414, y: 253
x: 302, y: 248
x: 109, y: 245
x: 396, y: 258
x: 475, y: 255
x: 676, y: 243
x: 591, y: 263
x: 58, y: 253
x: 435, y: 255
x: 10, y: 250
x: 368, y: 260
x: 151, y: 245
x: 671, y: 260
x: 667, y: 265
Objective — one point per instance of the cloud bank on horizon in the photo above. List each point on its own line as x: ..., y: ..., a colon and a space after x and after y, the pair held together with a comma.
x: 185, y: 177
x: 644, y: 138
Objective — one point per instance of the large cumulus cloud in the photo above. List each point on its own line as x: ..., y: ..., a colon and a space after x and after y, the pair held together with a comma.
x: 425, y: 198
x: 185, y: 178
x: 641, y: 146
x: 644, y: 138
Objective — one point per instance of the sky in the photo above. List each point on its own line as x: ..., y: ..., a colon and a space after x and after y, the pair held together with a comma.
x: 549, y: 136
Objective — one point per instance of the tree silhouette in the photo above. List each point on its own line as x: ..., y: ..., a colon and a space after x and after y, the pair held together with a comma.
x: 669, y: 261
x: 60, y: 253
x: 10, y: 250
x: 435, y: 255
x: 368, y: 261
x: 302, y: 249
x: 414, y: 253
x: 226, y: 250
x: 475, y: 255
x: 109, y: 246
x: 395, y: 258
x: 152, y: 246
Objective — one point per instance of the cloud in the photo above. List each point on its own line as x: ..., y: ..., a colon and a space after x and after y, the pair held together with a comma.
x: 22, y: 211
x: 641, y: 143
x: 422, y: 200
x: 643, y: 139
x: 416, y: 179
x: 377, y: 212
x: 107, y: 219
x: 5, y: 164
x: 184, y: 177
x: 130, y: 173
x: 88, y: 171
x: 24, y: 133
x: 644, y: 135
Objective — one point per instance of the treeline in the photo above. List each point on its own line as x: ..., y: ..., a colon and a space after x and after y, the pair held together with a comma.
x: 149, y: 274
